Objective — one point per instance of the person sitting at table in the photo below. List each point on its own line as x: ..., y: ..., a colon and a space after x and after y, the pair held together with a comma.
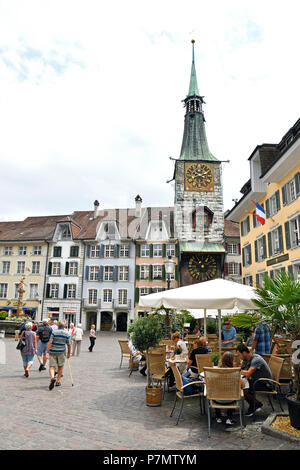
x: 227, y: 360
x: 137, y: 356
x: 178, y: 342
x: 200, y: 347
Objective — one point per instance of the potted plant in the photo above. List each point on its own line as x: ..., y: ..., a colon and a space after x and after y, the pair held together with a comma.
x: 279, y: 301
x: 215, y: 359
x: 3, y: 315
x: 147, y: 332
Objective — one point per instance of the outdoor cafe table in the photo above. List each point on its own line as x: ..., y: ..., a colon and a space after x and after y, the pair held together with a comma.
x: 180, y: 362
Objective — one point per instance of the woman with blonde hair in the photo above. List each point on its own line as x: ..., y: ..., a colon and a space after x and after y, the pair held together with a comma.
x: 92, y: 337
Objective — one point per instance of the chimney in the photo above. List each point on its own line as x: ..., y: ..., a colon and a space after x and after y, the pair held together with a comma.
x: 138, y: 206
x: 96, y: 205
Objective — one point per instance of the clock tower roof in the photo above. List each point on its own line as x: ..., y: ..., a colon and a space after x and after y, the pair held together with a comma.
x: 194, y: 142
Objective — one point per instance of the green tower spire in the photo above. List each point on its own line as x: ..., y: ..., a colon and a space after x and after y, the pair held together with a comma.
x: 194, y: 142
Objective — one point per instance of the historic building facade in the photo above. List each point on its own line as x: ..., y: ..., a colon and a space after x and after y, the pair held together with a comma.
x: 199, y: 218
x: 275, y: 185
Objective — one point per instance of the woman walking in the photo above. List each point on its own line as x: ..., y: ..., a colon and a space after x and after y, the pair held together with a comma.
x: 77, y: 338
x: 30, y: 348
x: 92, y: 337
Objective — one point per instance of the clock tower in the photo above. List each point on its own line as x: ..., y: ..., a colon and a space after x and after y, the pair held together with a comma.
x: 199, y: 218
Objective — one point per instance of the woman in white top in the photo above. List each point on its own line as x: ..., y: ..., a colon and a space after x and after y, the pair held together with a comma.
x: 92, y: 337
x: 178, y: 342
x: 77, y: 338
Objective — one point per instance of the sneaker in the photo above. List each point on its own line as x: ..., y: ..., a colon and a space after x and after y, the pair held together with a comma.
x: 219, y: 420
x: 229, y: 422
x: 58, y: 384
x: 250, y: 411
x: 51, y: 386
x: 143, y: 372
x: 42, y: 367
x: 258, y: 406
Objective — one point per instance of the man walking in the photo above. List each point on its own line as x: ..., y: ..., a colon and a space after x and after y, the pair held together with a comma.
x: 57, y: 351
x: 43, y: 336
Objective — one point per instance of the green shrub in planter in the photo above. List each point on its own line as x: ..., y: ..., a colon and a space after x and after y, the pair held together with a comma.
x: 3, y: 314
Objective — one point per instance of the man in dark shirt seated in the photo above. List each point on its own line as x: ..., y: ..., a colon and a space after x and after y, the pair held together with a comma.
x: 200, y: 347
x: 254, y: 367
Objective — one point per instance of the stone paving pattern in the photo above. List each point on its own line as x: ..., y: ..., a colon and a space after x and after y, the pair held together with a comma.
x: 106, y: 409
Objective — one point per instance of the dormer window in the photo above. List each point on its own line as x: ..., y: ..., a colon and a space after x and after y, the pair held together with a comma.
x: 66, y: 233
x: 208, y: 218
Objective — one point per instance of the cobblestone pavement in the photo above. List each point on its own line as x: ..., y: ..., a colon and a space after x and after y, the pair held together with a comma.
x: 105, y: 409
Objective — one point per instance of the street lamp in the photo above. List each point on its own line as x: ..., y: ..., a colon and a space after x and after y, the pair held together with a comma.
x: 170, y: 271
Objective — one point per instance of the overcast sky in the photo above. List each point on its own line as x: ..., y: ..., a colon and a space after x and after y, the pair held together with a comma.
x: 90, y: 95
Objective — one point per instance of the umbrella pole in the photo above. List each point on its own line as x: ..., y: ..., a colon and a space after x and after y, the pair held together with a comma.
x: 205, y: 322
x: 220, y: 334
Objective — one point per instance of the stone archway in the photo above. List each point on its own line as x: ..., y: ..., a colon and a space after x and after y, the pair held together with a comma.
x: 106, y: 321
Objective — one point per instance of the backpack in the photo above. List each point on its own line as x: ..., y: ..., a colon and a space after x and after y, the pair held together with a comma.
x: 44, y: 334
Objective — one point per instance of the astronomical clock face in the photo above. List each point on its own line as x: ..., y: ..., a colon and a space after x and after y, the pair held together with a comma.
x: 202, y: 267
x: 198, y: 177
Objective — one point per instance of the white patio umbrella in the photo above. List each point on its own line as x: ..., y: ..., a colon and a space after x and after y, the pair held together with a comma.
x: 216, y: 294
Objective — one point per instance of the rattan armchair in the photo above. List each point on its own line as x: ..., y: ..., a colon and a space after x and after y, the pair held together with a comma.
x: 275, y: 364
x: 224, y: 384
x: 180, y: 389
x: 156, y: 363
x: 203, y: 360
x: 125, y: 351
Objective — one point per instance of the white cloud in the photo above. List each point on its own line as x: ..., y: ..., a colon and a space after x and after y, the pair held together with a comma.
x: 91, y: 92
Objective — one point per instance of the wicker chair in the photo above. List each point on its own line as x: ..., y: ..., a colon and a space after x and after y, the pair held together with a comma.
x: 203, y: 360
x: 275, y: 364
x: 125, y: 351
x: 180, y: 388
x: 224, y: 384
x: 156, y: 363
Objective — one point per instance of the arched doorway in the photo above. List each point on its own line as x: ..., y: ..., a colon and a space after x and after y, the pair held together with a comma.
x: 106, y: 321
x: 122, y: 321
x: 91, y: 319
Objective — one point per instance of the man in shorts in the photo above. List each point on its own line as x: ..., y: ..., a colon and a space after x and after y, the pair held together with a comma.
x: 57, y: 353
x: 43, y: 336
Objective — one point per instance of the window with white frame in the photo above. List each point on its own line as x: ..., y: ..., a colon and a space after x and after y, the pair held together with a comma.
x: 123, y: 273
x: 93, y: 296
x: 71, y: 291
x: 170, y: 250
x: 124, y: 251
x: 261, y: 279
x: 54, y: 288
x: 157, y: 289
x: 248, y: 280
x: 35, y: 268
x: 95, y: 251
x: 157, y: 251
x: 21, y: 267
x: 275, y: 241
x: 56, y: 269
x: 3, y: 290
x: 109, y: 251
x: 107, y: 295
x: 65, y: 233
x: 16, y: 290
x: 5, y: 267
x: 295, y: 232
x: 291, y: 191
x: 157, y: 271
x: 8, y: 251
x: 37, y: 250
x: 73, y: 268
x: 144, y: 291
x: 296, y: 272
x: 273, y: 205
x: 261, y: 249
x: 108, y: 273
x: 233, y: 269
x: 144, y: 271
x: 145, y: 251
x: 33, y: 291
x: 232, y: 248
x: 122, y: 296
x: 93, y: 273
x: 22, y: 250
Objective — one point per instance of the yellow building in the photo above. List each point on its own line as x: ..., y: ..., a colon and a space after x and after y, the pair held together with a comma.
x: 275, y: 184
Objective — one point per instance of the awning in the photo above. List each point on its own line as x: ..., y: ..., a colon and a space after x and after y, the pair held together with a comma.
x: 199, y: 247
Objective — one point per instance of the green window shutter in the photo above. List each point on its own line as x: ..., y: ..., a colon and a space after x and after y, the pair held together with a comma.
x: 137, y: 295
x: 256, y: 251
x: 243, y: 255
x: 265, y: 246
x: 270, y: 244
x: 254, y: 220
x: 248, y: 224
x: 280, y: 238
x: 67, y: 268
x: 163, y: 272
x: 177, y: 249
x: 283, y: 194
x: 164, y: 250
x: 267, y: 208
x: 47, y: 291
x: 277, y: 200
x: 251, y: 281
x: 138, y: 251
x: 49, y: 267
x: 65, y: 290
x: 297, y: 183
x: 244, y: 280
x: 250, y: 255
x: 176, y: 272
x: 290, y: 271
x: 150, y: 272
x: 151, y: 251
x: 257, y: 279
x: 242, y: 229
x: 271, y: 274
x: 137, y: 272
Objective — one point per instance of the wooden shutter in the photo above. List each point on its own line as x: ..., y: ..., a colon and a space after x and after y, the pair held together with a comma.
x: 87, y: 273
x: 257, y: 279
x: 67, y: 268
x: 137, y: 272
x: 277, y: 200
x: 76, y: 251
x: 280, y: 238
x: 290, y: 271
x: 243, y: 256
x: 256, y: 251
x: 297, y: 183
x: 240, y: 268
x: 271, y: 274
x: 250, y: 255
x: 177, y: 249
x: 283, y: 194
x: 265, y: 246
x: 164, y: 250
x: 163, y: 272
x: 226, y: 269
x: 59, y: 251
x: 270, y: 244
x: 242, y: 228
x: 267, y: 208
x: 100, y: 274
x: 137, y: 295
x: 116, y: 250
x: 176, y: 272
x: 138, y: 251
x: 150, y: 271
x: 251, y: 281
x: 88, y: 251
x: 239, y: 248
x: 50, y: 268
x: 151, y: 251
x: 47, y: 291
x: 244, y: 280
x: 65, y: 290
x: 115, y: 275
x: 254, y: 220
x: 226, y: 246
x: 248, y: 224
